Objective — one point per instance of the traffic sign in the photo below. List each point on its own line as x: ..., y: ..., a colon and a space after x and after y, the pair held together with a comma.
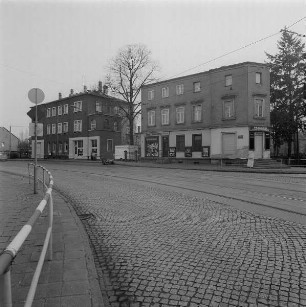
x: 36, y: 95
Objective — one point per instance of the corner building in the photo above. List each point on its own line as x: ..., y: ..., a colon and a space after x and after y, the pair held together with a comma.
x: 222, y: 113
x: 86, y: 125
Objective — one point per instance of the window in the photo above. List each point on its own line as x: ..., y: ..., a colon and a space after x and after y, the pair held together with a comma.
x: 228, y: 80
x: 59, y: 128
x: 259, y: 107
x: 49, y: 148
x: 180, y: 143
x: 115, y: 126
x: 109, y: 145
x: 48, y: 129
x: 116, y: 109
x: 77, y: 106
x: 180, y: 89
x: 65, y: 127
x: 228, y: 109
x: 93, y: 124
x: 258, y: 78
x: 98, y: 106
x: 151, y: 118
x: 77, y: 126
x: 150, y: 94
x: 197, y: 142
x: 53, y: 128
x: 60, y: 147
x: 53, y: 147
x: 165, y: 116
x: 54, y: 111
x: 48, y: 112
x: 106, y: 123
x: 197, y: 113
x: 180, y: 112
x: 65, y: 108
x: 59, y: 110
x: 197, y: 87
x: 165, y: 92
x: 65, y: 147
x: 78, y: 148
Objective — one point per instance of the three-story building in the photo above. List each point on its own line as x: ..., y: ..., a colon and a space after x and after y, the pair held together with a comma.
x: 217, y: 114
x: 85, y: 125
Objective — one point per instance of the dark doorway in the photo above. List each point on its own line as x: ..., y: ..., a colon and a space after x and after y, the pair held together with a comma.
x: 165, y: 144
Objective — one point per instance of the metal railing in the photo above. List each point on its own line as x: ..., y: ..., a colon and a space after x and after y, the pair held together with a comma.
x: 8, y: 255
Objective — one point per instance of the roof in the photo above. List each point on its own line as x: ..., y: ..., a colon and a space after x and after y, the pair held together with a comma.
x: 3, y: 128
x: 209, y: 71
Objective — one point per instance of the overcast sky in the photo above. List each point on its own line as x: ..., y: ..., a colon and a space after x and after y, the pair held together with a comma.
x: 59, y: 45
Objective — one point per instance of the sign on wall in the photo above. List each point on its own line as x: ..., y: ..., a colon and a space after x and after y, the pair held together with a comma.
x: 39, y: 129
x: 188, y: 152
x: 205, y: 151
x: 152, y: 146
x: 172, y: 152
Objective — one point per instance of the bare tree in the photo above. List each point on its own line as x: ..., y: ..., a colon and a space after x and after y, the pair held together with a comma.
x: 132, y: 68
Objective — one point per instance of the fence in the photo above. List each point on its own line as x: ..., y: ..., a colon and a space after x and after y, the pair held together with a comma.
x: 12, y: 249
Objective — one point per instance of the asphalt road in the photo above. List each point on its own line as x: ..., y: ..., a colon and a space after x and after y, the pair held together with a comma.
x: 169, y: 237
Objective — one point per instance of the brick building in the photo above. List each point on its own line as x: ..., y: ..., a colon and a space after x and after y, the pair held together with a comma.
x: 220, y: 113
x: 85, y: 125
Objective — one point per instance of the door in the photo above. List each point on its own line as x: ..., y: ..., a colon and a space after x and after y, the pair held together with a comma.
x: 78, y: 149
x: 165, y: 145
x: 258, y: 151
x: 229, y: 144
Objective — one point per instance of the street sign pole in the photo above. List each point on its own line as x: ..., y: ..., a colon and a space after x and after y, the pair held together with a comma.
x: 35, y: 146
x: 36, y: 96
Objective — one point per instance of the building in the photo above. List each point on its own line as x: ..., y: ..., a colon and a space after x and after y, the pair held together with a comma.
x: 84, y: 125
x: 217, y: 114
x: 8, y: 141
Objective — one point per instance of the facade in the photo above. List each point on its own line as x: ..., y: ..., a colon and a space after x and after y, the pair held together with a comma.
x: 221, y: 113
x: 86, y: 125
x: 8, y: 141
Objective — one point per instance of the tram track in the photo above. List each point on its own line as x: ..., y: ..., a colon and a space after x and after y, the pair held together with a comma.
x: 221, y: 198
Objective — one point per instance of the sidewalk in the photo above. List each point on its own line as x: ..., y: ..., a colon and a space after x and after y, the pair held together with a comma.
x: 216, y: 168
x: 70, y: 279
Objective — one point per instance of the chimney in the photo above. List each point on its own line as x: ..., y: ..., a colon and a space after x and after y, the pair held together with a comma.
x: 105, y: 89
x: 85, y: 88
x: 59, y: 96
x: 100, y: 86
x: 71, y: 92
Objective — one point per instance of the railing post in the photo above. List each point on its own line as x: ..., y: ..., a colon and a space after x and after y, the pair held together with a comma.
x: 44, y: 179
x: 50, y: 252
x: 5, y: 289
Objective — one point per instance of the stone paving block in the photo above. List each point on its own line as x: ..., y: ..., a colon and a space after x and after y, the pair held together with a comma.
x: 76, y: 300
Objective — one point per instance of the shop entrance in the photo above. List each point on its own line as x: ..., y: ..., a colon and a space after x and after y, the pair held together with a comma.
x: 78, y: 149
x: 258, y: 152
x: 165, y: 145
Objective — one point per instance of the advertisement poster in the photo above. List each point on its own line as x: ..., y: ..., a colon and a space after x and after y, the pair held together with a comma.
x: 188, y: 152
x: 172, y: 152
x: 205, y: 151
x: 152, y: 146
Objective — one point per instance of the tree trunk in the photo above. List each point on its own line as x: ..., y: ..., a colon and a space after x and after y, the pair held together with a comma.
x: 289, y: 148
x: 131, y: 134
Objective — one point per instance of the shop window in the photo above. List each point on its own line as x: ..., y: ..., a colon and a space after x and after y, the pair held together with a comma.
x: 180, y: 143
x: 197, y: 142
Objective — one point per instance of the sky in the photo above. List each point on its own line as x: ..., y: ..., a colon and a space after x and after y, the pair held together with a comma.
x: 61, y: 45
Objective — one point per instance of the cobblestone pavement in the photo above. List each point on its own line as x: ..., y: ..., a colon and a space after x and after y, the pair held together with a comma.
x: 157, y: 247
